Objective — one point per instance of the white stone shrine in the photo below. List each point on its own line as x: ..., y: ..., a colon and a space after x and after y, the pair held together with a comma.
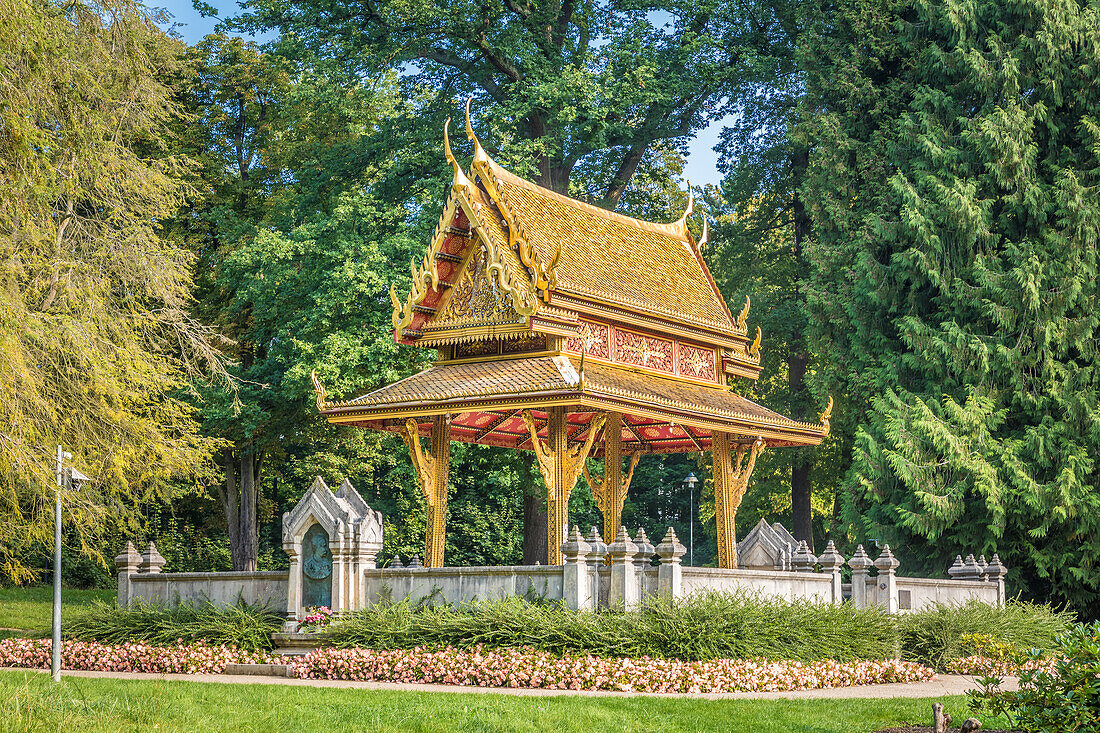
x: 330, y: 538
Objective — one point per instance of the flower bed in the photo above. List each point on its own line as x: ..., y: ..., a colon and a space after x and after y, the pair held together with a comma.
x: 531, y: 668
x: 478, y: 666
x: 90, y: 655
x: 990, y: 667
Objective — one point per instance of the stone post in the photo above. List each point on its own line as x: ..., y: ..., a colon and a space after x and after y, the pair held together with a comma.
x: 643, y: 559
x: 127, y: 563
x: 576, y: 589
x: 997, y: 572
x: 803, y: 560
x: 151, y: 561
x: 970, y: 570
x: 337, y: 547
x: 831, y: 562
x: 670, y: 573
x: 860, y: 563
x: 957, y: 569
x: 887, y: 591
x: 624, y: 581
x: 982, y: 565
x: 597, y: 554
x: 293, y: 587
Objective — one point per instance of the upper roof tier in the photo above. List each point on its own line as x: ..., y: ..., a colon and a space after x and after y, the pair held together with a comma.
x: 522, y: 262
x: 613, y: 259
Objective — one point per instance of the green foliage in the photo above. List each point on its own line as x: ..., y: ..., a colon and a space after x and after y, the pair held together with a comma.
x: 705, y: 627
x: 96, y: 342
x: 702, y: 627
x: 1061, y: 698
x: 940, y: 634
x: 953, y: 286
x: 242, y: 625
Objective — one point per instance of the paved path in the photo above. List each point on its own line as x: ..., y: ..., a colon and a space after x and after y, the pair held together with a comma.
x: 944, y: 684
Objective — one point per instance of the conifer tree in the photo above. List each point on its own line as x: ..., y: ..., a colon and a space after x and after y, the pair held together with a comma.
x: 954, y: 187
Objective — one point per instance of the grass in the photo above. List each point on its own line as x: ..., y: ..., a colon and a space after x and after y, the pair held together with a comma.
x: 241, y: 625
x: 934, y: 636
x: 698, y: 628
x: 28, y: 611
x: 706, y: 627
x: 30, y: 702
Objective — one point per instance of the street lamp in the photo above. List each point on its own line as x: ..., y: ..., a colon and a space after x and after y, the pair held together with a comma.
x: 66, y: 476
x: 690, y: 480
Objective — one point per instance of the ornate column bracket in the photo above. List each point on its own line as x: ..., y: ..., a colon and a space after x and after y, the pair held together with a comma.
x: 431, y: 468
x: 560, y: 466
x: 731, y: 479
x: 610, y: 490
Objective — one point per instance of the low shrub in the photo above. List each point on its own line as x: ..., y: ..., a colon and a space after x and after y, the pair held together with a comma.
x: 241, y: 625
x: 196, y: 658
x: 1059, y: 695
x: 942, y: 633
x: 713, y: 626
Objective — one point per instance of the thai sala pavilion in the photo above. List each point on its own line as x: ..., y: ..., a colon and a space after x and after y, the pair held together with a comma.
x: 574, y: 332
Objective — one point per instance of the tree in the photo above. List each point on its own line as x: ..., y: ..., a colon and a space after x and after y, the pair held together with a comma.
x: 96, y: 343
x: 954, y: 281
x: 760, y: 243
x: 560, y: 81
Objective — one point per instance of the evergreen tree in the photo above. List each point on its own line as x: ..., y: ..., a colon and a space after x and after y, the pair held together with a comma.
x: 954, y: 289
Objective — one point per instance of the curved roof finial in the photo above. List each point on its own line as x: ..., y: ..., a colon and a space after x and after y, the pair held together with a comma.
x: 479, y: 152
x: 825, y: 416
x: 460, y: 178
x: 706, y: 235
x: 682, y: 221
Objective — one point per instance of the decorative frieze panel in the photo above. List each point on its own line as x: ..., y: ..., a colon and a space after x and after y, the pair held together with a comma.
x: 696, y: 362
x: 593, y: 340
x: 657, y: 353
x: 638, y: 349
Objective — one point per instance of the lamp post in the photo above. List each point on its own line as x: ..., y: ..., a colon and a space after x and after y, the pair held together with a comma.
x: 65, y: 477
x: 690, y: 480
x: 55, y: 663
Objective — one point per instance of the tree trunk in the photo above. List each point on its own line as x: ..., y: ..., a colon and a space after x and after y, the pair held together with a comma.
x: 797, y: 362
x: 239, y: 496
x: 801, y: 519
x: 534, y: 514
x: 249, y: 529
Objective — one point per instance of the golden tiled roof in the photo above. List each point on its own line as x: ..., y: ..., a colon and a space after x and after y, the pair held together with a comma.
x: 611, y: 258
x: 535, y: 380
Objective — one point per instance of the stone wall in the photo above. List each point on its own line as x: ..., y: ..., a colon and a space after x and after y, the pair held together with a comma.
x: 588, y: 581
x: 169, y: 589
x: 462, y: 585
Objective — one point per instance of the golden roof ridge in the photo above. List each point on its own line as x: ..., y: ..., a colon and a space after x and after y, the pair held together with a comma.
x: 676, y: 229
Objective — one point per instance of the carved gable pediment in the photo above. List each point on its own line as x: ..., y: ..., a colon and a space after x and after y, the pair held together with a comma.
x: 478, y: 299
x: 765, y: 547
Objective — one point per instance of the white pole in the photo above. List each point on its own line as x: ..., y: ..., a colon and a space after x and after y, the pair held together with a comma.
x: 55, y: 663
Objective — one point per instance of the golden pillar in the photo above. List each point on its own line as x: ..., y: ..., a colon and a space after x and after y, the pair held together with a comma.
x: 560, y: 466
x: 730, y: 481
x: 432, y: 468
x: 610, y: 490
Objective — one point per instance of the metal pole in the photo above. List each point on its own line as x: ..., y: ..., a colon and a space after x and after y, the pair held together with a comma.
x: 691, y: 526
x: 55, y: 663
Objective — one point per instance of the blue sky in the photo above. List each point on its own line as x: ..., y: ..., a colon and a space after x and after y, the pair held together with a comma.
x: 700, y: 168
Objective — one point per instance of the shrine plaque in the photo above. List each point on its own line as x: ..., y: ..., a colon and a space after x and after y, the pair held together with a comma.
x: 316, y: 568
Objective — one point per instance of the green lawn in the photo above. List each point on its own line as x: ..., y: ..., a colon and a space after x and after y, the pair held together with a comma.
x: 29, y: 611
x: 31, y: 702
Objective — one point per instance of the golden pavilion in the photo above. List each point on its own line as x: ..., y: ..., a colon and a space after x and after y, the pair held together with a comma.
x: 574, y: 332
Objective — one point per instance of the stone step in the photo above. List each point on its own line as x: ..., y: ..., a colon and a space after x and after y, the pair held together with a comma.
x: 291, y: 651
x: 265, y: 670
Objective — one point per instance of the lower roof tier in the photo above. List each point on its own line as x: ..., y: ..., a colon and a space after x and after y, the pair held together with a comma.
x: 486, y: 399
